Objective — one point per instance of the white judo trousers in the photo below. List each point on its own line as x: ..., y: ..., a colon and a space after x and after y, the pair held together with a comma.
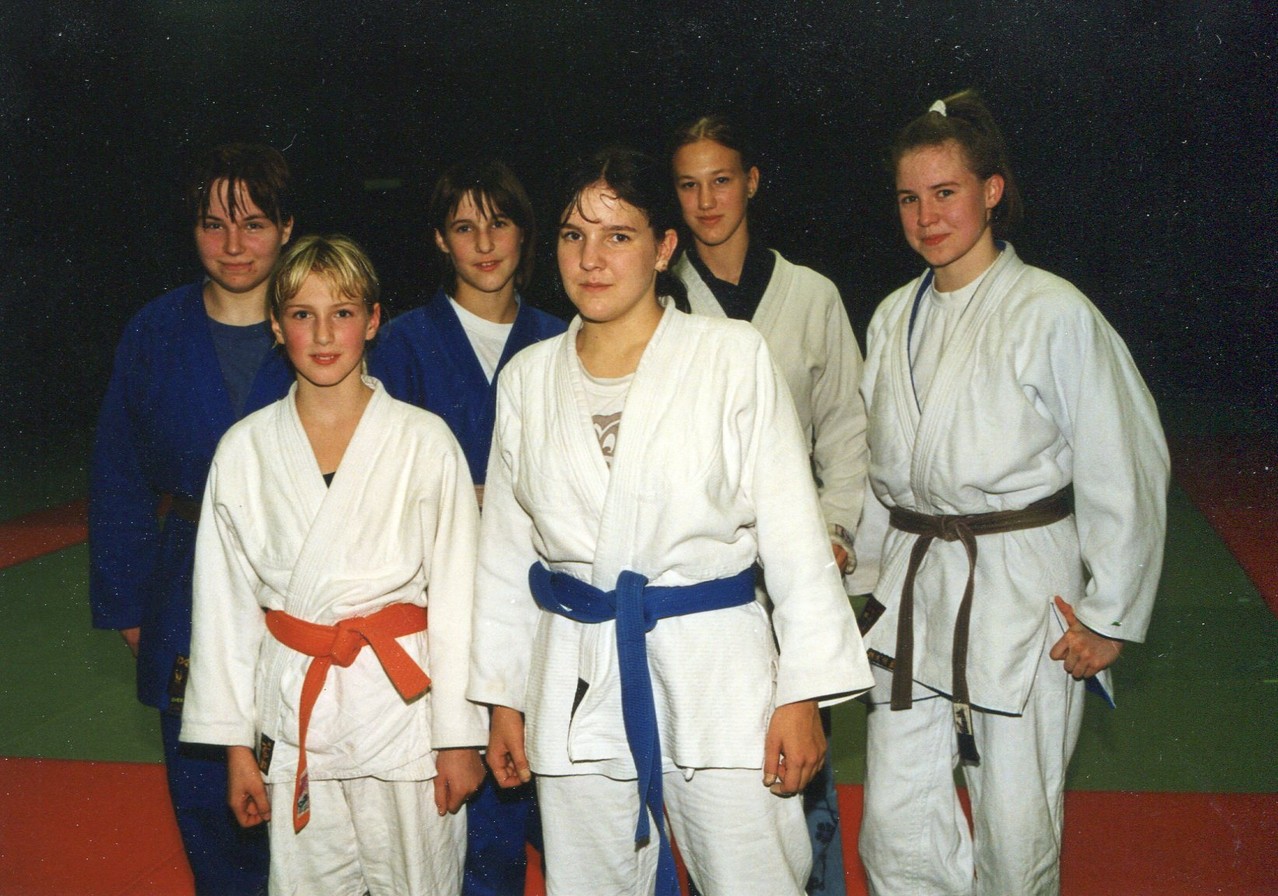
x: 735, y: 836
x: 919, y: 841
x: 366, y: 836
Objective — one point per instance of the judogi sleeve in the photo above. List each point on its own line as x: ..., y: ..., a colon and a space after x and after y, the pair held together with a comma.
x: 450, y: 565
x: 227, y: 628
x: 821, y: 654
x: 839, y: 455
x: 123, y: 533
x: 1121, y: 470
x: 505, y: 615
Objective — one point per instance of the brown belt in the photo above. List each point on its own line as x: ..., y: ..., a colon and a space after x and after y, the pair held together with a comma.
x: 964, y: 528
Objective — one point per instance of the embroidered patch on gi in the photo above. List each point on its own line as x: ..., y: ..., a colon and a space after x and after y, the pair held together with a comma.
x: 303, y: 795
x: 177, y: 684
x: 869, y: 614
x: 265, y: 750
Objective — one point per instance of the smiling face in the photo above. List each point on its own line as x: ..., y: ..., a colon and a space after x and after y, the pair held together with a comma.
x: 484, y: 250
x: 238, y: 252
x: 324, y: 332
x: 945, y: 212
x: 714, y: 189
x: 609, y: 256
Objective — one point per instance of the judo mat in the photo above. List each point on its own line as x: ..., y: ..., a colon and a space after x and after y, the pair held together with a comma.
x: 1175, y: 792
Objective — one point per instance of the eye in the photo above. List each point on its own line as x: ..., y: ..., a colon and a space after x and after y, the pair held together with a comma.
x: 569, y: 236
x: 211, y: 225
x: 462, y: 228
x: 945, y: 193
x: 620, y: 237
x: 345, y: 312
x: 254, y: 226
x: 687, y: 185
x: 298, y: 314
x: 501, y: 222
x: 722, y: 179
x: 907, y: 199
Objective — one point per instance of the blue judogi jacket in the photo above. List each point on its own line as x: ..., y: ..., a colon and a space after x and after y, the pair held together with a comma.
x: 424, y: 358
x: 165, y: 409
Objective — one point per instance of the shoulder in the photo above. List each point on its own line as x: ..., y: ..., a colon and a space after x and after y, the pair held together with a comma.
x: 245, y: 435
x: 537, y: 356
x: 167, y: 311
x: 804, y: 277
x: 544, y: 324
x: 1042, y: 298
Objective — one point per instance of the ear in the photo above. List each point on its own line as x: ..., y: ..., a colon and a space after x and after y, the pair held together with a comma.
x: 441, y: 243
x: 374, y: 322
x: 666, y: 248
x: 286, y: 231
x: 752, y: 181
x: 993, y: 190
x: 277, y: 330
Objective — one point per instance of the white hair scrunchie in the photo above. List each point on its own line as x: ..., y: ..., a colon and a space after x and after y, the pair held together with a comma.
x: 938, y: 106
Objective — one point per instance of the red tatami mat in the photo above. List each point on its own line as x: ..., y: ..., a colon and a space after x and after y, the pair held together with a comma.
x: 88, y: 829
x: 105, y: 829
x: 43, y: 532
x: 1233, y: 481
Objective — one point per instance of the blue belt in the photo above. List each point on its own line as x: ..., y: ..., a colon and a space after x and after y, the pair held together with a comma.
x: 637, y: 607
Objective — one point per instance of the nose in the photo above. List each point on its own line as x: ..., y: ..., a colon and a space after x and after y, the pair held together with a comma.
x: 483, y: 239
x: 323, y: 330
x: 591, y: 257
x: 927, y: 212
x: 705, y: 196
x: 234, y: 240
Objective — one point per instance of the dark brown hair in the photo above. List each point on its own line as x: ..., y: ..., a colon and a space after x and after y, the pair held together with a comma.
x: 260, y: 170
x: 495, y: 190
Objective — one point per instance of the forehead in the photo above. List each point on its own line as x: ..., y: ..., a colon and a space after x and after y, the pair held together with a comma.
x: 219, y: 204
x: 933, y: 164
x: 474, y: 205
x: 599, y: 206
x: 706, y: 155
x: 318, y: 286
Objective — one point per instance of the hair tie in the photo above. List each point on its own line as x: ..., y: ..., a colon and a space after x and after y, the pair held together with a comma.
x: 938, y: 106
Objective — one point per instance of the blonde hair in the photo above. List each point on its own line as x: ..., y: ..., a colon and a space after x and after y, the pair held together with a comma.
x: 336, y: 258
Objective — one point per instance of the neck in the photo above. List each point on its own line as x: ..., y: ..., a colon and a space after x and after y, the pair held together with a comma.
x: 499, y: 307
x: 233, y: 308
x: 614, y: 348
x: 962, y: 271
x: 331, y: 405
x: 727, y: 260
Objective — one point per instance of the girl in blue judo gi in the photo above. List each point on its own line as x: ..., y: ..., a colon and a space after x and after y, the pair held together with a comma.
x: 445, y: 357
x: 189, y: 364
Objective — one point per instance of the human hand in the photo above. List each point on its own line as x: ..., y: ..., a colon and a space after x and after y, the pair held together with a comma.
x: 1082, y: 651
x: 245, y: 791
x: 794, y: 749
x: 506, y: 755
x: 458, y: 774
x: 131, y: 637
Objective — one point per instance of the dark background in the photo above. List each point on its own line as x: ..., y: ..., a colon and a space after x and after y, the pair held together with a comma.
x: 1143, y: 135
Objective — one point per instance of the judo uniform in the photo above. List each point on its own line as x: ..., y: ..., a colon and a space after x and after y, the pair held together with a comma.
x: 425, y: 358
x: 165, y: 408
x: 1033, y: 392
x: 398, y: 525
x: 709, y: 474
x: 805, y: 325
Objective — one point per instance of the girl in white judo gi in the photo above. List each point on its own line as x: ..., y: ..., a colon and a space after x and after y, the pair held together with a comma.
x: 1020, y: 473
x: 729, y: 272
x: 331, y: 520
x: 641, y: 465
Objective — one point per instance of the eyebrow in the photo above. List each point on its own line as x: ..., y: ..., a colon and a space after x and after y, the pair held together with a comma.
x: 944, y: 183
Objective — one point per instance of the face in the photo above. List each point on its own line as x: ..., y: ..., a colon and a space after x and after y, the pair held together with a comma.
x: 484, y: 251
x: 714, y: 189
x: 238, y: 254
x: 324, y: 332
x: 609, y: 256
x: 945, y: 212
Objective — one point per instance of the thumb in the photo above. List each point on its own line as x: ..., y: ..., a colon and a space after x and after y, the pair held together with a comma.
x: 1066, y: 610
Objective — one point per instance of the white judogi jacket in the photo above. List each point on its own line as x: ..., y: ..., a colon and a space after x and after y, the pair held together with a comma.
x: 805, y: 325
x: 1034, y: 391
x: 709, y: 473
x: 398, y: 525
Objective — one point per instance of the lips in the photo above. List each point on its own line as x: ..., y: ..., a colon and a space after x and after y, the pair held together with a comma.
x: 710, y: 220
x: 934, y: 240
x: 325, y: 360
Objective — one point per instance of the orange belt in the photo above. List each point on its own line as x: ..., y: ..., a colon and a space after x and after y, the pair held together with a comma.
x: 340, y: 644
